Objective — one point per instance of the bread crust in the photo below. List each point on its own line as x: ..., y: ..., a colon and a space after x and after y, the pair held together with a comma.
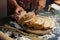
x: 38, y: 32
x: 32, y: 21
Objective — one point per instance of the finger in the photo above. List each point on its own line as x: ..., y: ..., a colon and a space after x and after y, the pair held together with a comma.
x: 39, y: 7
x: 16, y: 16
x: 17, y: 12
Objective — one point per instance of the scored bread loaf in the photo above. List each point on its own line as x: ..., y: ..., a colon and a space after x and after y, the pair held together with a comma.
x: 33, y: 21
x: 40, y: 23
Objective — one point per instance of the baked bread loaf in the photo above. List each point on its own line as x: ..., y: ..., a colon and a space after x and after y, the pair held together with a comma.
x: 32, y: 21
x: 41, y: 22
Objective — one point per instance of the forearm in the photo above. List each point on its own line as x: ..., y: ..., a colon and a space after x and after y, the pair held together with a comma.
x: 57, y: 2
x: 13, y: 3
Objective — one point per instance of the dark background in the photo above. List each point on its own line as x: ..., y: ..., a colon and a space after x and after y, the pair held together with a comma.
x: 3, y: 8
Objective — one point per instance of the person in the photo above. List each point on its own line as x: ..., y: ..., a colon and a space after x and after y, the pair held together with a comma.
x: 28, y: 5
x: 17, y: 6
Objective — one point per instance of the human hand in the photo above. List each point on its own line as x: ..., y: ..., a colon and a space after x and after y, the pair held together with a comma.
x: 17, y: 12
x: 41, y: 4
x: 38, y: 4
x: 57, y: 2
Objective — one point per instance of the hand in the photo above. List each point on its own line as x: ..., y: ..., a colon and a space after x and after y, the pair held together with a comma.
x: 57, y: 2
x: 18, y: 10
x: 42, y: 4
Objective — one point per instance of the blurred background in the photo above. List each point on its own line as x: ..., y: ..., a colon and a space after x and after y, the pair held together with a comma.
x: 3, y: 8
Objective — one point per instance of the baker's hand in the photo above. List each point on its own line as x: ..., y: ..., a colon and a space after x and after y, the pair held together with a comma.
x: 57, y: 2
x: 17, y: 12
x: 41, y: 4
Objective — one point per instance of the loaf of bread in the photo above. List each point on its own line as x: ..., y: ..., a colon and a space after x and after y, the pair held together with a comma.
x: 40, y: 23
x: 32, y: 21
